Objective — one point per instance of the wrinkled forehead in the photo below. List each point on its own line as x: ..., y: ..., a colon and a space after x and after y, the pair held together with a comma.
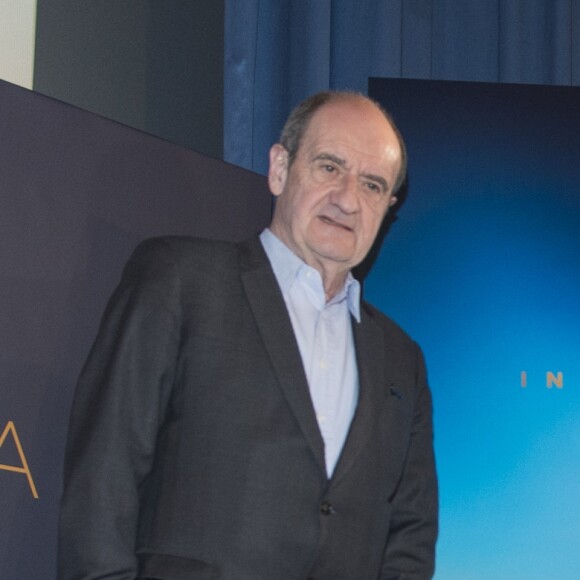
x: 354, y: 125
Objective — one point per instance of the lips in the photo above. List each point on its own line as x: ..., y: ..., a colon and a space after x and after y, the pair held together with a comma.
x: 331, y: 222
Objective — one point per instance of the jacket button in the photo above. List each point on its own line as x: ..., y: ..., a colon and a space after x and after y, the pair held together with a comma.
x: 326, y: 508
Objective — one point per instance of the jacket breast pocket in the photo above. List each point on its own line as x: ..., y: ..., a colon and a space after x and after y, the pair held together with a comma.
x: 168, y: 567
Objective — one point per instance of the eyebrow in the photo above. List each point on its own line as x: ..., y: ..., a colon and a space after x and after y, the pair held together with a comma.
x: 330, y: 157
x: 342, y: 163
x: 380, y: 180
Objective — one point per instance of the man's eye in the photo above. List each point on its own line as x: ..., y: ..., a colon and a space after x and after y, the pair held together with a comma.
x: 373, y: 187
x: 329, y: 168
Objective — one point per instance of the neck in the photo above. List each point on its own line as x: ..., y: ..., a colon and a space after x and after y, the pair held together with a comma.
x: 333, y: 273
x: 333, y: 278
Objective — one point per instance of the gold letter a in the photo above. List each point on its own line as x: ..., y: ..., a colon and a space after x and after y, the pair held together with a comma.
x: 10, y: 428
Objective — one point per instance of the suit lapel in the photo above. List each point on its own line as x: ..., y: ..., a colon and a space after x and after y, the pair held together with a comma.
x: 271, y: 315
x: 370, y: 353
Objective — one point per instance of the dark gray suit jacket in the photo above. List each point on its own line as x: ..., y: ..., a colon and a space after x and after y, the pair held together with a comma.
x: 194, y: 451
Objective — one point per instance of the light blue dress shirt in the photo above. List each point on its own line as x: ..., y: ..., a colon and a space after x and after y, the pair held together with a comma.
x: 323, y: 331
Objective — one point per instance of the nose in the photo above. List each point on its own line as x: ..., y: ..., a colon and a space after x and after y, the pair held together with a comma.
x: 345, y: 194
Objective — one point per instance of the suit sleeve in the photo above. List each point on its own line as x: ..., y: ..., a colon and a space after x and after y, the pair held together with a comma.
x: 410, y: 552
x: 119, y: 406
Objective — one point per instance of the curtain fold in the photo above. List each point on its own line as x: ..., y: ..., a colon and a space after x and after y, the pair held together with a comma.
x: 279, y: 51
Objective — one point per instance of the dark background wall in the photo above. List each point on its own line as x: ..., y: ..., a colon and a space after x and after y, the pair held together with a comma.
x: 155, y: 66
x: 78, y: 192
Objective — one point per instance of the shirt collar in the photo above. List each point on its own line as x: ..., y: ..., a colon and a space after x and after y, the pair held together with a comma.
x: 287, y: 267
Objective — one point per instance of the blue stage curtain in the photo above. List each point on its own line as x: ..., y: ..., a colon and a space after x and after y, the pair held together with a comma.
x: 279, y: 51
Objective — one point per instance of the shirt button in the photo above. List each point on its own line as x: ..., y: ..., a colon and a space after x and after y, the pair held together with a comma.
x: 326, y: 508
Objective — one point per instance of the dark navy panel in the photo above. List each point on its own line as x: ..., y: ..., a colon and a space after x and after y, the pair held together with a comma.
x: 77, y: 193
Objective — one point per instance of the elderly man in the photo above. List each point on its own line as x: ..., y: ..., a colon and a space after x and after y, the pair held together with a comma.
x: 243, y: 415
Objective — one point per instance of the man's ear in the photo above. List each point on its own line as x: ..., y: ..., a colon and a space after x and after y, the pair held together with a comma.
x: 393, y: 201
x: 278, y: 171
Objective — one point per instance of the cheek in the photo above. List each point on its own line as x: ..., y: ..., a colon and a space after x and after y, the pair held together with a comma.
x: 294, y: 205
x: 371, y: 223
x: 307, y: 203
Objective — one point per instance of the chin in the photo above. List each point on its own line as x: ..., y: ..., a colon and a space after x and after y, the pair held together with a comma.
x: 330, y: 254
x: 335, y: 251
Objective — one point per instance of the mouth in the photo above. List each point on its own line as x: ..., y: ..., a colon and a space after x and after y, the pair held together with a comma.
x: 331, y: 222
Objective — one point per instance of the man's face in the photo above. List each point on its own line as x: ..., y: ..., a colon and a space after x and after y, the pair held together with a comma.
x: 333, y: 198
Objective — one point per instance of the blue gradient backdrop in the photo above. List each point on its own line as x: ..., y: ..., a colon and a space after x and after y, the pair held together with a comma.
x: 483, y: 269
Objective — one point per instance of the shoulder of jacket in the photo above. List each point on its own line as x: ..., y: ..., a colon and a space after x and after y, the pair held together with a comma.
x: 186, y: 247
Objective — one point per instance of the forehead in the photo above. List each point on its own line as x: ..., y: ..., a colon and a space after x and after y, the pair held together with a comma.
x: 353, y: 127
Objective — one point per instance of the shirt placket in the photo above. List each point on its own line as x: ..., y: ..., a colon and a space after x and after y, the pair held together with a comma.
x: 325, y: 369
